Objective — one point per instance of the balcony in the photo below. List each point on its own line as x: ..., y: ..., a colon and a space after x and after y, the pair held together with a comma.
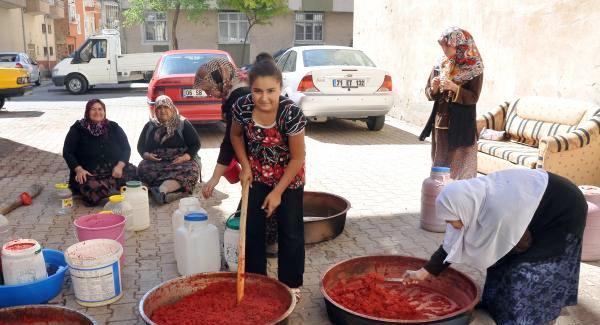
x: 57, y: 10
x: 37, y: 7
x: 89, y: 4
x: 11, y: 4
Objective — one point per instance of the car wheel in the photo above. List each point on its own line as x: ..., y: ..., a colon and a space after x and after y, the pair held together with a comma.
x: 2, y: 101
x: 76, y: 85
x: 376, y: 123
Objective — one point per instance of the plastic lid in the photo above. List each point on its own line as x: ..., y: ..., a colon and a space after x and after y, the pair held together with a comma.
x: 196, y: 216
x: 116, y: 198
x: 440, y: 169
x: 133, y: 184
x: 105, y: 212
x: 61, y: 186
x: 233, y: 222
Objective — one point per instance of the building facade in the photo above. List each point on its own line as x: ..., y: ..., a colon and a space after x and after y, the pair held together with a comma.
x: 29, y: 26
x: 307, y: 22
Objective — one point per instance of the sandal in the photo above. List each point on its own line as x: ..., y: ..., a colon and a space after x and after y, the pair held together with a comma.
x: 157, y: 195
x: 297, y: 294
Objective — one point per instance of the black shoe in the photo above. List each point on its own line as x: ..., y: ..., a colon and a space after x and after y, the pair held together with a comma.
x: 157, y: 195
x: 173, y: 196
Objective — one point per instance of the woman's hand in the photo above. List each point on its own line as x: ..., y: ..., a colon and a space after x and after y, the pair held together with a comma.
x: 272, y: 201
x: 117, y: 171
x: 81, y: 174
x: 447, y: 84
x: 150, y: 156
x: 414, y: 277
x: 207, y: 189
x: 183, y: 158
x: 435, y: 85
x: 246, y: 176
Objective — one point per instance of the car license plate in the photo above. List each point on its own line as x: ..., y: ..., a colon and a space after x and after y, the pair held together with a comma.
x: 348, y: 83
x: 193, y: 93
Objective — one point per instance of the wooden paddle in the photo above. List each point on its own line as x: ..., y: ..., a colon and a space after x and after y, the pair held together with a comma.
x: 242, y: 243
x: 33, y: 191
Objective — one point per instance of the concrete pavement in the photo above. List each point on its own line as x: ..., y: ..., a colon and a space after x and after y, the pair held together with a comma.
x: 380, y: 173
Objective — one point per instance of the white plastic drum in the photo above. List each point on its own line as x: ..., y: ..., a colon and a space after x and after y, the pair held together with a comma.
x: 95, y: 271
x: 23, y: 262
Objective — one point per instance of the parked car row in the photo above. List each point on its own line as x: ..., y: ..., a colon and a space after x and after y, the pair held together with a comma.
x: 21, y: 60
x: 14, y: 82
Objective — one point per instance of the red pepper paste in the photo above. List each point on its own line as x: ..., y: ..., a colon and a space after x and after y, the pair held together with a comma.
x: 21, y: 246
x: 369, y: 294
x: 216, y: 305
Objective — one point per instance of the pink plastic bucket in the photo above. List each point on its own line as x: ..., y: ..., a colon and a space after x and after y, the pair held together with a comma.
x: 101, y: 226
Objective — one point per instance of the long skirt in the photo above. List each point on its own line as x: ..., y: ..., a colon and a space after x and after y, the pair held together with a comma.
x: 102, y: 185
x: 531, y: 293
x: 155, y: 173
x: 462, y: 161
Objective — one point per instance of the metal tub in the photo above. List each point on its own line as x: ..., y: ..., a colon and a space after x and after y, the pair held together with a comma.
x: 46, y: 314
x: 324, y: 216
x: 457, y: 286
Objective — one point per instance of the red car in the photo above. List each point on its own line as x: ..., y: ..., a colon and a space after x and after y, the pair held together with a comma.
x: 174, y: 77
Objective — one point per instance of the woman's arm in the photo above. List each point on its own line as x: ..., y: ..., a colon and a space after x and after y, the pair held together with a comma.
x: 432, y: 89
x: 123, y: 143
x: 237, y: 141
x: 141, y: 145
x: 297, y: 153
x: 191, y: 138
x: 468, y: 93
x: 436, y: 264
x: 69, y: 148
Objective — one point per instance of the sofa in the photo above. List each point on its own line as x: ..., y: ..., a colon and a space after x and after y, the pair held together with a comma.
x: 559, y: 135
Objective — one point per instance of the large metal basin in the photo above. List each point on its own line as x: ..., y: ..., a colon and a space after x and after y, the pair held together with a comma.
x: 171, y: 291
x: 324, y: 216
x: 455, y: 285
x: 46, y: 314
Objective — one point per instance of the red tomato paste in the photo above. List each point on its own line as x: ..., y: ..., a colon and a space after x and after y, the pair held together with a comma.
x: 18, y: 247
x: 370, y: 295
x: 216, y: 305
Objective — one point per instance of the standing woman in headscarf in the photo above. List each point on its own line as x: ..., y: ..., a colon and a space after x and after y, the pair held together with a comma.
x: 454, y: 86
x: 169, y: 145
x: 525, y: 226
x: 220, y: 79
x: 97, y: 153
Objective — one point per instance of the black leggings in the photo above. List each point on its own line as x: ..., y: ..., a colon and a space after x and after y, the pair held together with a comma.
x: 290, y: 229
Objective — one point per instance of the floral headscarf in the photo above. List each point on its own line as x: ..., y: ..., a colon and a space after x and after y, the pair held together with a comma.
x: 219, y: 74
x: 95, y: 128
x: 165, y: 129
x: 467, y: 63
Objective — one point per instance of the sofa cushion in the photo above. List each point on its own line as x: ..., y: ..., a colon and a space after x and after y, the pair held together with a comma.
x: 511, y: 151
x: 531, y: 118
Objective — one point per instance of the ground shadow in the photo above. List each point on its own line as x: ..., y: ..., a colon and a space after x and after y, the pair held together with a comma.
x: 356, y: 133
x: 56, y: 94
x: 211, y: 134
x: 20, y: 114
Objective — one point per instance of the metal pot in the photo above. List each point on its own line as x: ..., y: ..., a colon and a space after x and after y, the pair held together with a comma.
x: 455, y: 285
x: 171, y: 291
x: 47, y: 314
x: 324, y: 216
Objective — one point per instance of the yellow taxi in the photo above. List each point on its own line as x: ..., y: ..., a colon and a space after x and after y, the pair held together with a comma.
x: 14, y: 82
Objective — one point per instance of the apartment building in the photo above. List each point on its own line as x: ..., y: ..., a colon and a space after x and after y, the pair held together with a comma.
x: 308, y: 22
x: 82, y: 19
x: 28, y: 26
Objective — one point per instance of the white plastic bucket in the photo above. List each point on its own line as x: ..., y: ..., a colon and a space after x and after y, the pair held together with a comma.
x: 23, y: 262
x: 95, y: 271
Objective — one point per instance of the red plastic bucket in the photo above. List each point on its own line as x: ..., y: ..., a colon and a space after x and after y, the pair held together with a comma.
x: 232, y: 173
x: 101, y: 226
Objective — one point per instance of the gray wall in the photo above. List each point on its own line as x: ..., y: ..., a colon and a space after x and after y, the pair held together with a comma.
x: 537, y: 47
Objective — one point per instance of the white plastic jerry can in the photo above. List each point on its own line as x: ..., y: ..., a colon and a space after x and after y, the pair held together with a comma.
x: 186, y: 205
x: 137, y: 196
x: 197, y: 247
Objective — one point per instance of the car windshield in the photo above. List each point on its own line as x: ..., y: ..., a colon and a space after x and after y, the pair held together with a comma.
x: 186, y: 63
x: 325, y: 57
x: 8, y: 58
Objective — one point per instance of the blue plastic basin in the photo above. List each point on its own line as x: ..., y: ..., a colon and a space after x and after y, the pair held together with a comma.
x: 40, y: 291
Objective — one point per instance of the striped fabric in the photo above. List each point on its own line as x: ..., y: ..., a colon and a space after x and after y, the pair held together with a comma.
x: 578, y: 137
x: 495, y: 120
x: 511, y: 151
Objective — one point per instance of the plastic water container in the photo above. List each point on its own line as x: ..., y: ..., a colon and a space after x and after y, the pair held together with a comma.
x: 64, y: 198
x: 137, y: 196
x: 197, y: 247
x: 95, y: 271
x: 231, y: 239
x: 186, y: 205
x: 23, y: 262
x: 432, y: 186
x: 117, y: 205
x: 591, y: 235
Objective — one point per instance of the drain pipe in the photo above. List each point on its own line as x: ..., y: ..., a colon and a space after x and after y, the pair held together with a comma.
x: 23, y: 25
x: 47, y: 47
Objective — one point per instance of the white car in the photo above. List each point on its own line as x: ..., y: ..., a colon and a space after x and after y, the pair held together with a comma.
x: 336, y: 82
x: 21, y: 60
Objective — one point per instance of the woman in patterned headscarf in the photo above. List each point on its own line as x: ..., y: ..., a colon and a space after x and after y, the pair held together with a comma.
x: 97, y: 153
x: 169, y: 146
x: 454, y: 85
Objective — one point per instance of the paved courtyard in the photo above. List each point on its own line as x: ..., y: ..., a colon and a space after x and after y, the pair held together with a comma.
x: 380, y: 173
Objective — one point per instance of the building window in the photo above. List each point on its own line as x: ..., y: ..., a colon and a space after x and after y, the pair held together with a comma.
x: 51, y: 50
x: 72, y: 12
x: 309, y: 27
x: 232, y: 27
x: 44, y: 28
x: 49, y: 29
x: 71, y: 48
x: 45, y: 51
x: 155, y: 27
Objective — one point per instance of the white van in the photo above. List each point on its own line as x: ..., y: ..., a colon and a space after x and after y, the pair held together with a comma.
x: 99, y: 61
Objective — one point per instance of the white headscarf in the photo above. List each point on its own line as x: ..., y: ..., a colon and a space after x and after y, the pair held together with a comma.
x: 495, y: 211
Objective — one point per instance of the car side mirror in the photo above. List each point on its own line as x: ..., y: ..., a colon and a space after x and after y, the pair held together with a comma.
x: 34, y: 63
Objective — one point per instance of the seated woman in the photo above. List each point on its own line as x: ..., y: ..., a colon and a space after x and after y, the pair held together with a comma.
x: 169, y: 146
x: 531, y: 247
x: 97, y: 153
